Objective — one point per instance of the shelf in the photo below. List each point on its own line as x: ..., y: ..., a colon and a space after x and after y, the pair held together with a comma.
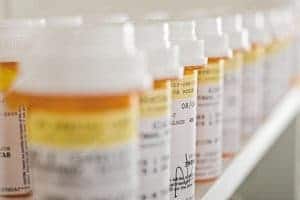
x: 254, y: 148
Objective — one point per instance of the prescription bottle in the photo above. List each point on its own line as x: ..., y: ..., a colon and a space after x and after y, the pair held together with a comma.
x: 210, y: 99
x: 155, y: 108
x: 254, y: 72
x: 184, y: 109
x: 80, y: 89
x: 15, y: 39
x: 233, y: 70
x: 279, y: 57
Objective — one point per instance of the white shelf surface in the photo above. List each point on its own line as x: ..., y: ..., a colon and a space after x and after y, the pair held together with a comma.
x: 253, y: 150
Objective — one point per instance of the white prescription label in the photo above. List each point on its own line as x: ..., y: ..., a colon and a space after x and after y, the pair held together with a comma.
x: 14, y: 169
x: 232, y: 104
x: 84, y: 155
x: 183, y: 138
x: 209, y: 122
x: 252, y: 104
x: 84, y: 175
x: 277, y: 70
x: 155, y: 130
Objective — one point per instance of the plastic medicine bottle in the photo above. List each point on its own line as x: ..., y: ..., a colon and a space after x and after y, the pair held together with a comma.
x: 279, y: 57
x: 15, y: 39
x: 254, y: 72
x: 155, y: 108
x: 80, y: 87
x: 233, y: 70
x: 210, y: 99
x: 184, y: 107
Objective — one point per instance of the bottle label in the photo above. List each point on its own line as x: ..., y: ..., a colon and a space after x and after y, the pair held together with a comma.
x: 232, y: 104
x: 209, y: 121
x: 183, y: 138
x: 14, y: 168
x: 252, y: 104
x: 155, y: 144
x: 84, y: 156
x: 277, y: 55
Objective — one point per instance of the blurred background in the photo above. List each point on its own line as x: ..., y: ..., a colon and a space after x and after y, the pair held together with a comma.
x: 30, y: 8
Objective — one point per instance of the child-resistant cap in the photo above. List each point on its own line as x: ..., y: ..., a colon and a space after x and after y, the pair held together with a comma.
x: 280, y: 22
x: 15, y: 37
x: 64, y: 21
x: 254, y: 22
x: 151, y: 34
x: 75, y: 61
x: 118, y: 17
x: 232, y: 25
x: 162, y: 59
x: 158, y: 15
x: 209, y: 29
x: 182, y: 33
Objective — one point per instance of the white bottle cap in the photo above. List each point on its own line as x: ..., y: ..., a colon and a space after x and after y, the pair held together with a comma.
x: 254, y: 22
x: 280, y: 22
x: 74, y: 61
x: 15, y: 37
x: 216, y: 42
x: 182, y: 30
x: 151, y: 34
x: 163, y: 63
x: 162, y: 59
x: 61, y: 21
x: 117, y: 17
x: 182, y: 33
x: 232, y: 25
x: 158, y: 15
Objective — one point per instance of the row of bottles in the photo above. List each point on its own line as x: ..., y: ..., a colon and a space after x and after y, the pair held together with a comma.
x: 109, y: 107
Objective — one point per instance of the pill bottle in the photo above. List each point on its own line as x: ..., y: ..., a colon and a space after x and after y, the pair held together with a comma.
x: 289, y: 24
x: 155, y: 108
x: 232, y: 102
x: 80, y: 89
x: 279, y: 65
x: 184, y: 109
x: 15, y: 40
x: 210, y: 99
x: 295, y: 20
x: 255, y: 71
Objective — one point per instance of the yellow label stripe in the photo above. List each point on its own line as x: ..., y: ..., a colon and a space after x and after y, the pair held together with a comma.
x: 185, y: 88
x: 155, y: 103
x: 82, y: 130
x: 212, y: 73
x: 254, y: 54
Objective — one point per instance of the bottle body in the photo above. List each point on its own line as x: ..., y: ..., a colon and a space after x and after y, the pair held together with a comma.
x: 183, y: 136
x: 15, y: 177
x: 81, y: 146
x: 279, y: 70
x: 253, y: 74
x: 209, y: 121
x: 155, y: 127
x: 232, y: 104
